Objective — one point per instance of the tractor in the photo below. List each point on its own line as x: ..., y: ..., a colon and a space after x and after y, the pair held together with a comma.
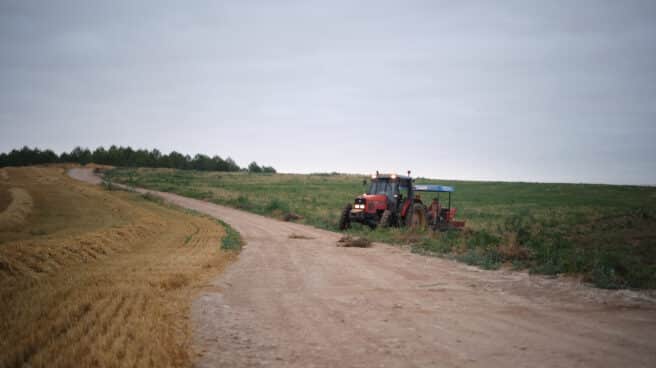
x: 394, y: 201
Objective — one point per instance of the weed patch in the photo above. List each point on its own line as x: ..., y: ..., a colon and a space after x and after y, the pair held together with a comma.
x: 152, y: 198
x: 276, y: 205
x: 241, y: 202
x: 232, y: 239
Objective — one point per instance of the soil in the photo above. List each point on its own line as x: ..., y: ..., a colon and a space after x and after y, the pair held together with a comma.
x: 307, y: 303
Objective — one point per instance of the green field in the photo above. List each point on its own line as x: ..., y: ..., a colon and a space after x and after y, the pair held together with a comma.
x: 604, y: 233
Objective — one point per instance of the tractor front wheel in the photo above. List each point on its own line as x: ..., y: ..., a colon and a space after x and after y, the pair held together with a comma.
x: 417, y: 220
x: 386, y: 219
x: 345, y: 218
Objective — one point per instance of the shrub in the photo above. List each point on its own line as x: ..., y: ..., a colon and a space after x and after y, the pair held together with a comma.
x: 241, y: 202
x: 277, y: 205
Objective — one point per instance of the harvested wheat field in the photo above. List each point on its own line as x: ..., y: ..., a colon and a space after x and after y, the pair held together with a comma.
x: 90, y: 277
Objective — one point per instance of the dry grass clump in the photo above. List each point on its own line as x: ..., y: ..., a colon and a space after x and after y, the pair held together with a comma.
x: 175, y: 281
x: 511, y: 249
x: 349, y: 241
x: 111, y: 296
x: 290, y: 216
x: 299, y: 236
x: 18, y: 209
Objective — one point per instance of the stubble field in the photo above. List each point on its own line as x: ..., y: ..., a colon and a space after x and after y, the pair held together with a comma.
x: 90, y: 277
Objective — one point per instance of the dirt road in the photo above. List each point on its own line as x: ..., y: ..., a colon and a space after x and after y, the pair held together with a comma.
x: 307, y: 303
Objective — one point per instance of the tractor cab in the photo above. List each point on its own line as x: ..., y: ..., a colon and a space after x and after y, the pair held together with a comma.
x: 394, y: 187
x: 386, y: 202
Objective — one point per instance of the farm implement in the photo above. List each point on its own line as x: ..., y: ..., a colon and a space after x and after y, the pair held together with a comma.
x: 395, y: 201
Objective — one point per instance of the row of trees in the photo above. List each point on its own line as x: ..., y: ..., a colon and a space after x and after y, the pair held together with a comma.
x: 126, y: 156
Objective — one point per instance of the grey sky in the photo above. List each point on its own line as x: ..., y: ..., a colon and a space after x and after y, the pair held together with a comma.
x: 509, y: 90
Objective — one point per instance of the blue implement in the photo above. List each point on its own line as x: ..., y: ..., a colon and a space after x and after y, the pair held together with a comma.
x: 433, y: 188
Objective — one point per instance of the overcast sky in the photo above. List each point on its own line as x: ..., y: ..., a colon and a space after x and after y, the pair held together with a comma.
x: 508, y: 90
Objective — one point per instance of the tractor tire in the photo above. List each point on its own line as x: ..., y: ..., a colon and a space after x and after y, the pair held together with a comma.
x: 386, y: 219
x: 417, y: 217
x: 344, y: 218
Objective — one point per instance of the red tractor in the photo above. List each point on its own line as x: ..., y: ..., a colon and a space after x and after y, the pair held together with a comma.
x: 393, y: 200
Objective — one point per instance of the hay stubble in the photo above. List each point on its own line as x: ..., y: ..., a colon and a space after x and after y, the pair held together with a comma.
x: 110, y: 291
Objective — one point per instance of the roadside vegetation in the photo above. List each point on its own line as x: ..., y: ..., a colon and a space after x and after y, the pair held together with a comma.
x: 232, y: 239
x: 88, y: 277
x: 604, y: 233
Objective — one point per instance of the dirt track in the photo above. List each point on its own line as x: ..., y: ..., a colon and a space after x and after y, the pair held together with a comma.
x: 307, y: 303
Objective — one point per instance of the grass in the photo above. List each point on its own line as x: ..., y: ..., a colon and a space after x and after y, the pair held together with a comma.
x: 104, y: 286
x: 606, y: 233
x: 232, y: 239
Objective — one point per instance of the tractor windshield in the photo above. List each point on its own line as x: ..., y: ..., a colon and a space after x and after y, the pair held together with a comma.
x: 383, y: 187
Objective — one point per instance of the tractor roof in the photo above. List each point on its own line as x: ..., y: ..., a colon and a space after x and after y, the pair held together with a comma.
x: 433, y: 188
x: 390, y: 176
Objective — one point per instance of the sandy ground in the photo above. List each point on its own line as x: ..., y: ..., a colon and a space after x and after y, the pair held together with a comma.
x: 308, y: 303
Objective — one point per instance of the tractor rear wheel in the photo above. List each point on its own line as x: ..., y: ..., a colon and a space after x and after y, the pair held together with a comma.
x: 345, y: 218
x: 417, y: 220
x: 386, y: 219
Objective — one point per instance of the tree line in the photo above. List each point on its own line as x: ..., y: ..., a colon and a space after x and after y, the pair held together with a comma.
x: 126, y: 156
